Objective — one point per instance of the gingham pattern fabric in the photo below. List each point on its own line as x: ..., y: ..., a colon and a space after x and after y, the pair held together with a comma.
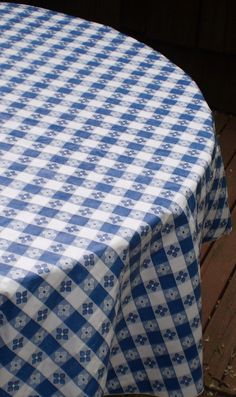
x: 110, y: 181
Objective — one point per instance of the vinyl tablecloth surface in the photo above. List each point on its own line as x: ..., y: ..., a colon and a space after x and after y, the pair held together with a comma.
x: 110, y: 180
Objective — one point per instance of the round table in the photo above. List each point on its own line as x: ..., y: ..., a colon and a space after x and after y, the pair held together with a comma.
x: 111, y: 179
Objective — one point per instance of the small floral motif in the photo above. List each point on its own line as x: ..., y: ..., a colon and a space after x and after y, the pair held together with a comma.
x: 144, y: 230
x: 182, y: 276
x: 105, y: 328
x: 37, y: 357
x: 157, y: 385
x: 62, y: 333
x: 11, y: 258
x: 13, y: 386
x: 20, y: 321
x: 25, y: 239
x: 161, y: 310
x: 21, y: 297
x: 103, y: 350
x: 101, y: 372
x: 142, y: 301
x: 89, y: 284
x: 57, y: 248
x: 107, y: 304
x: 89, y: 260
x: 66, y: 286
x: 42, y: 314
x: 131, y: 354
x: 168, y: 373
x: 130, y: 389
x: 195, y: 322
x: 189, y: 300
x: 173, y: 251
x: 169, y: 334
x: 104, y: 237
x: 63, y: 310
x: 178, y: 358
x: 44, y: 292
x: 86, y: 332
x: 109, y: 281
x: 167, y: 228
x: 15, y: 365
x: 85, y: 356
x: 88, y: 308
x: 171, y: 294
x: 149, y: 362
x: 152, y: 285
x: 35, y: 379
x: 42, y: 268
x: 146, y: 263
x: 109, y: 256
x: 132, y: 317
x: 83, y: 379
x: 141, y: 340
x: 186, y: 380
x: 60, y: 356
x: 59, y: 378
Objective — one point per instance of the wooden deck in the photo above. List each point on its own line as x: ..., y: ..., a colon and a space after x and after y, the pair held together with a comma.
x: 219, y: 284
x: 218, y: 269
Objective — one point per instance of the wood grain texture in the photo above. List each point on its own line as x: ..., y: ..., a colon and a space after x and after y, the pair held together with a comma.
x: 228, y: 140
x: 216, y: 270
x: 220, y: 340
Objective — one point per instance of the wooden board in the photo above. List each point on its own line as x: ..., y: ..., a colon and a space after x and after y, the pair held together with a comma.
x: 221, y: 120
x: 220, y: 342
x: 228, y: 140
x: 216, y: 270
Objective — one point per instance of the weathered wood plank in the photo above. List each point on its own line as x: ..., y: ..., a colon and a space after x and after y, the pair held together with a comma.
x: 221, y: 120
x: 228, y: 140
x: 216, y: 270
x: 231, y: 181
x: 220, y: 340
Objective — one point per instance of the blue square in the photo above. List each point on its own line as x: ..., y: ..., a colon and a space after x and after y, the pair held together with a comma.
x: 91, y: 203
x: 45, y: 173
x: 133, y: 195
x: 64, y: 238
x: 34, y: 189
x: 33, y: 229
x: 78, y: 220
x: 17, y: 167
x: 122, y: 211
x: 49, y: 212
x: 50, y: 257
x: 17, y: 204
x: 62, y: 196
x: 4, y: 222
x: 17, y: 248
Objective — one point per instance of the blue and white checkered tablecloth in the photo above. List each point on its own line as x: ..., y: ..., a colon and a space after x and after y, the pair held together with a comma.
x: 110, y: 180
